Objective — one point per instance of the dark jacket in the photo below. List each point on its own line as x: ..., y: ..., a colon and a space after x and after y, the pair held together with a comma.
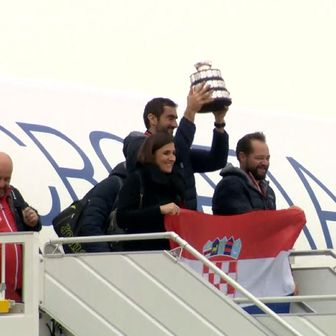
x: 17, y: 204
x: 101, y: 201
x: 14, y: 204
x: 188, y: 160
x: 236, y: 194
x: 136, y: 216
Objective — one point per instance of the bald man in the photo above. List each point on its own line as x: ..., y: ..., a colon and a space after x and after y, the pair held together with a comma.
x: 15, y: 215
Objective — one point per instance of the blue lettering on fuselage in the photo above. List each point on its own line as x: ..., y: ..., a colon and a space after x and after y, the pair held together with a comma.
x: 87, y: 172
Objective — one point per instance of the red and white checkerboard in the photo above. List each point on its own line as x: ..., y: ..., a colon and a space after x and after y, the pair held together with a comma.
x: 229, y: 268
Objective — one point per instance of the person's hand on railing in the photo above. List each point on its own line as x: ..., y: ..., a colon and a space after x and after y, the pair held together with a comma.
x: 30, y: 217
x: 170, y: 209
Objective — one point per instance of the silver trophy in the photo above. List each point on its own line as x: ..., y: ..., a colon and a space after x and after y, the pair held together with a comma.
x: 213, y: 78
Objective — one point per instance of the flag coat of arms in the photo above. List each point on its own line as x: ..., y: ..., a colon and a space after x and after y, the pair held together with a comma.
x: 252, y: 248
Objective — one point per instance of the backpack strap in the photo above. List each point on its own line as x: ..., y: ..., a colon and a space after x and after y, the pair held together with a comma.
x: 112, y: 226
x: 120, y: 184
x: 141, y: 187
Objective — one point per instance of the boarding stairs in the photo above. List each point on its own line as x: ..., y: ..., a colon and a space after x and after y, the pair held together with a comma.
x: 152, y: 293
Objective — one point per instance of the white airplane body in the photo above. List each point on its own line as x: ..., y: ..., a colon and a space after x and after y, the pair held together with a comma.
x: 63, y: 140
x: 74, y: 79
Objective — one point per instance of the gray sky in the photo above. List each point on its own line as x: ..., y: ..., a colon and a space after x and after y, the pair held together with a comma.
x: 275, y: 56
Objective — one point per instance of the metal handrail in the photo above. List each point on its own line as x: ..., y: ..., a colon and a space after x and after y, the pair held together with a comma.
x: 184, y: 245
x: 3, y: 271
x: 297, y: 298
x: 304, y: 253
x: 314, y: 253
x: 28, y: 310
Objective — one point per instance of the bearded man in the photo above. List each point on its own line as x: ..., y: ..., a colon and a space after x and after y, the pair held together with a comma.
x: 245, y: 188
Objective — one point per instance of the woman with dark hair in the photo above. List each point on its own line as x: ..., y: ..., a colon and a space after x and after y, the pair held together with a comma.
x: 151, y: 192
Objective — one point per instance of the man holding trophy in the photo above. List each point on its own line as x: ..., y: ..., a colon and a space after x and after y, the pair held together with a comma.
x: 207, y: 94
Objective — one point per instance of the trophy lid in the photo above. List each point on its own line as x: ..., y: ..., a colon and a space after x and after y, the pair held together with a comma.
x: 203, y: 65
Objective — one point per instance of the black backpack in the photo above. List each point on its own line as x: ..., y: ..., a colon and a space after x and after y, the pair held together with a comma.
x: 68, y: 222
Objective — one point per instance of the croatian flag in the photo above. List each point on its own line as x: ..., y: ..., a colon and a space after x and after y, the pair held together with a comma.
x: 252, y: 248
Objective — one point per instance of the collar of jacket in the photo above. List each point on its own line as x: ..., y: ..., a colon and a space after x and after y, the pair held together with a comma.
x: 8, y: 192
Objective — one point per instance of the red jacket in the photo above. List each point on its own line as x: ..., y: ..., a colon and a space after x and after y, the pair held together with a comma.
x: 13, y: 252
